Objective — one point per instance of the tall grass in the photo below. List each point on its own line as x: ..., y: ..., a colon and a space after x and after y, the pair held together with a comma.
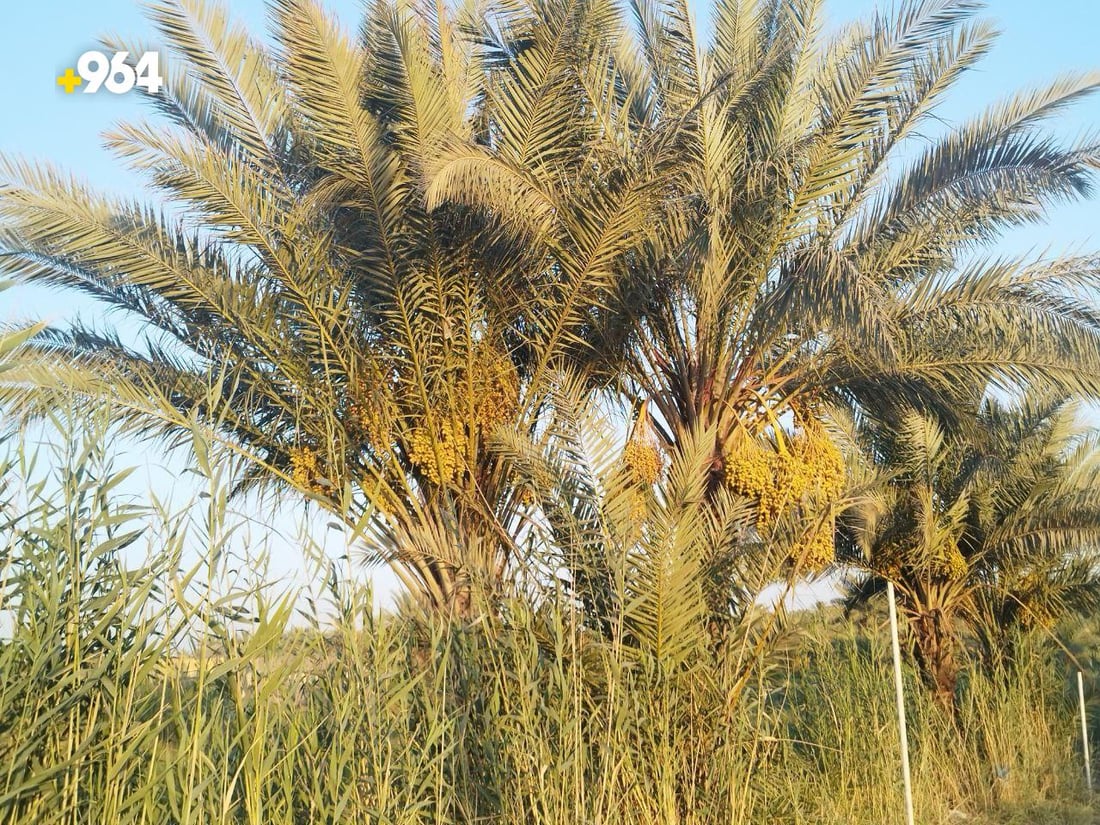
x: 135, y: 691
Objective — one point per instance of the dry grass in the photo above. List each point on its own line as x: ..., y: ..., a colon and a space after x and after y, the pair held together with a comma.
x: 134, y: 696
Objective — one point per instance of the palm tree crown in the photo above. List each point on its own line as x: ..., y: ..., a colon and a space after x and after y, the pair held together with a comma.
x: 376, y: 255
x: 988, y: 529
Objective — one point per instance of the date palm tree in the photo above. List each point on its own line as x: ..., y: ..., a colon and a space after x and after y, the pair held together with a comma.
x: 815, y: 248
x: 984, y: 531
x: 377, y: 255
x: 820, y: 258
x: 308, y: 294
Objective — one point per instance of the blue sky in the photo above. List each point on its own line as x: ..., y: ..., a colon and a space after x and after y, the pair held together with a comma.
x: 39, y: 39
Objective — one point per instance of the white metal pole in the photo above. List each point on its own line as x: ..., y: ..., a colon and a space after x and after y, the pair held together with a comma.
x: 1084, y: 730
x: 900, y: 693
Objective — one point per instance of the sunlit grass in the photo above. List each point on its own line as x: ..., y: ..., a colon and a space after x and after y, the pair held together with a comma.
x: 146, y: 694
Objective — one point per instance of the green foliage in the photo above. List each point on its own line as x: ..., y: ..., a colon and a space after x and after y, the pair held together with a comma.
x: 153, y: 693
x: 529, y: 717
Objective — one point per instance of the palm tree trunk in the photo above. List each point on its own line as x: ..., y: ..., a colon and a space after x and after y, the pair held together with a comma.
x: 935, y: 655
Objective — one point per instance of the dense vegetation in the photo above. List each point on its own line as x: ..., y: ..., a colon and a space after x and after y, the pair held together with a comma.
x: 155, y: 691
x: 593, y: 331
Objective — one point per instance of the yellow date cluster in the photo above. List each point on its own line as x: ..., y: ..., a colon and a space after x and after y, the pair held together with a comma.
x: 950, y: 564
x: 642, y: 461
x: 946, y: 563
x: 805, y: 472
x: 491, y: 388
x: 305, y: 469
x: 476, y: 397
